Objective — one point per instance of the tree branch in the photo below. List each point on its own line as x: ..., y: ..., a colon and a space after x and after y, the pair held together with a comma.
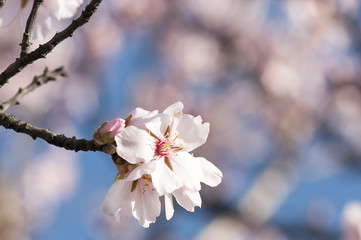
x: 25, y: 44
x: 46, y: 48
x: 62, y: 141
x: 37, y: 82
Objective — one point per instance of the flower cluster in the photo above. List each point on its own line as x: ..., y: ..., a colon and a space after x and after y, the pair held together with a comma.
x: 49, y: 11
x: 153, y: 160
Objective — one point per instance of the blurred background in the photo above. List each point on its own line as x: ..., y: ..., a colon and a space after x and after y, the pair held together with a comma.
x: 278, y: 80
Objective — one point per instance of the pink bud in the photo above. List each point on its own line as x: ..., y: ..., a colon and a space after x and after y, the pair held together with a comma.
x: 114, y: 127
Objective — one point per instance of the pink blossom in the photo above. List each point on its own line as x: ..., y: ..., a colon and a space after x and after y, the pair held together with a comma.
x: 114, y: 127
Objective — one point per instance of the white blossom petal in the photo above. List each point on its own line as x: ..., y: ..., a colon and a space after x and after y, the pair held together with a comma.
x: 135, y: 145
x: 191, y: 131
x: 188, y: 198
x: 115, y: 196
x: 146, y: 204
x: 44, y: 23
x: 164, y: 179
x: 124, y: 212
x: 187, y: 169
x: 143, y: 169
x: 139, y: 115
x: 168, y: 203
x: 158, y: 124
x: 174, y: 110
x: 9, y: 12
x: 211, y: 176
x: 64, y: 8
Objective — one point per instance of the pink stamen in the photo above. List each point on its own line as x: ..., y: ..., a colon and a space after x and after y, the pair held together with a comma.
x: 163, y: 148
x: 166, y: 146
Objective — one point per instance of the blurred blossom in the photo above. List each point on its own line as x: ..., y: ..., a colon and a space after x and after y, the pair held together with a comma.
x: 196, y: 55
x: 229, y: 229
x: 13, y: 224
x: 223, y: 228
x: 139, y: 11
x: 346, y: 114
x: 281, y: 80
x: 215, y: 14
x: 100, y: 226
x: 47, y: 181
x: 80, y: 104
x: 343, y: 69
x: 322, y: 160
x: 351, y: 221
x: 104, y: 47
x: 321, y: 214
x: 49, y: 12
x: 152, y: 89
x: 230, y: 16
x: 266, y: 193
x: 303, y: 14
x: 347, y: 6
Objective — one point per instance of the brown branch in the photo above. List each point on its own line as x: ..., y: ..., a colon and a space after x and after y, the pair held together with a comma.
x: 37, y: 82
x: 46, y: 48
x: 25, y: 44
x: 62, y: 141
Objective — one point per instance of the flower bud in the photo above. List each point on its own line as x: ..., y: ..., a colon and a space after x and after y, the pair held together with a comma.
x: 114, y: 127
x: 107, y: 131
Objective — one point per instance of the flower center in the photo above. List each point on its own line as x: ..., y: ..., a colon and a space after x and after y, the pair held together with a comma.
x: 163, y: 148
x: 166, y: 146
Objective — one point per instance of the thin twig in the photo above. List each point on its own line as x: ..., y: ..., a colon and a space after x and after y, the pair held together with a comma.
x: 46, y: 48
x: 25, y: 44
x: 62, y: 141
x: 37, y: 82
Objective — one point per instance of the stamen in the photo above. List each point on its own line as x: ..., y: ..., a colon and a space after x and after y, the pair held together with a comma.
x: 165, y: 146
x: 146, y: 180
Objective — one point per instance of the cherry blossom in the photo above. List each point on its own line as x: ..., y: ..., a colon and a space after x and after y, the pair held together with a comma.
x: 161, y: 150
x: 155, y: 160
x: 49, y: 11
x: 167, y: 139
x: 129, y: 196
